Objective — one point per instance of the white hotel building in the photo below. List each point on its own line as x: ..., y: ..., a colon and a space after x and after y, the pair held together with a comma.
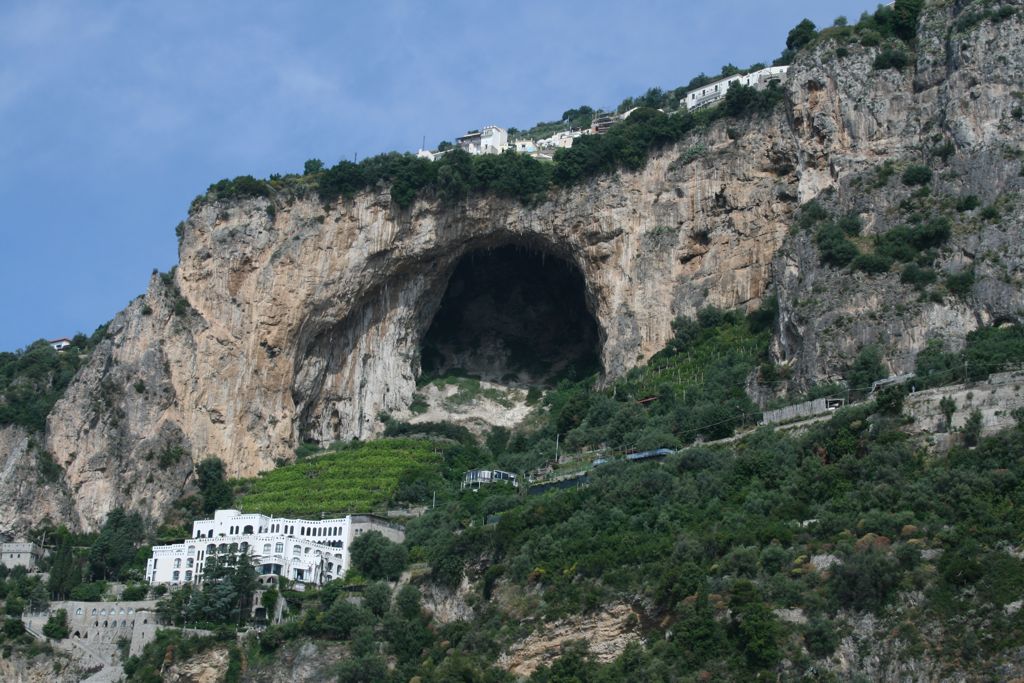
x: 301, y: 550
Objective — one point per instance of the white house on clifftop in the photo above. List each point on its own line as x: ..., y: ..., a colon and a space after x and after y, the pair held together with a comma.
x: 712, y: 93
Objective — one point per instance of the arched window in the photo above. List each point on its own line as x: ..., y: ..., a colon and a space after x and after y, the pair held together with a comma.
x: 124, y: 623
x: 78, y: 611
x: 210, y: 534
x: 104, y: 623
x: 210, y: 549
x: 247, y: 529
x: 191, y: 550
x: 177, y: 562
x: 176, y: 575
x: 94, y: 611
x: 279, y: 547
x: 233, y: 548
x: 131, y: 611
x: 121, y: 611
x: 266, y: 548
x: 188, y: 576
x: 103, y: 612
x: 223, y: 547
x: 190, y: 563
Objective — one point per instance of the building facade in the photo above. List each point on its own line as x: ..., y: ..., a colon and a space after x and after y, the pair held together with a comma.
x: 301, y: 550
x: 712, y: 93
x: 20, y: 554
x: 100, y: 625
x: 475, y: 478
x: 488, y: 140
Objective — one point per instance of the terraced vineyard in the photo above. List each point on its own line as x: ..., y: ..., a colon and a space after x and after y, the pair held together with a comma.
x: 355, y: 479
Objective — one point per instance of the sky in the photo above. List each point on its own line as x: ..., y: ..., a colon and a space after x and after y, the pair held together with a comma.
x: 115, y: 115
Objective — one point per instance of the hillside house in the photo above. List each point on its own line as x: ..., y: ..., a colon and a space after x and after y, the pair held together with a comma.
x: 712, y: 93
x: 488, y: 140
x: 60, y: 344
x: 20, y: 554
x: 301, y: 550
x: 560, y: 140
x: 475, y: 478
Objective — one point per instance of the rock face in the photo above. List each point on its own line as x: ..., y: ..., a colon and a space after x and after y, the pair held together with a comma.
x: 27, y: 494
x: 607, y: 633
x: 953, y: 112
x: 301, y: 320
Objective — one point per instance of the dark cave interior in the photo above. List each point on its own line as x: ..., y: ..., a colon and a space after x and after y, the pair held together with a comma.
x: 513, y: 315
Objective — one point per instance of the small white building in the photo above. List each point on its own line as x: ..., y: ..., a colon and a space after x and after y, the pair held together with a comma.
x: 488, y: 140
x: 524, y: 146
x: 20, y: 554
x: 60, y: 344
x: 712, y: 93
x: 560, y: 140
x: 476, y: 478
x: 301, y: 550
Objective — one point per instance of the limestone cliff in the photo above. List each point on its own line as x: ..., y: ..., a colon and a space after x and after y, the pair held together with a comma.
x: 291, y: 319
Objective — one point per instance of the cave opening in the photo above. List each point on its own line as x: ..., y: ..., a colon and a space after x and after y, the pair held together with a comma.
x: 513, y: 315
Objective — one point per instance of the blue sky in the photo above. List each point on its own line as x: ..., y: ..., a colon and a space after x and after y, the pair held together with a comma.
x: 114, y: 115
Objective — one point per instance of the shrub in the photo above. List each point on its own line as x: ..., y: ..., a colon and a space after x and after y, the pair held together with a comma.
x: 917, y: 175
x: 56, y: 627
x: 820, y: 637
x: 13, y: 628
x: 243, y: 186
x: 871, y: 263
x: 89, y: 592
x: 990, y: 213
x: 865, y: 581
x: 967, y: 203
x: 811, y: 214
x: 905, y: 16
x: 917, y: 276
x: 833, y: 246
x: 891, y: 58
x: 375, y: 557
x: 850, y: 224
x: 866, y: 368
x: 972, y: 428
x: 960, y: 284
x: 137, y: 591
x: 801, y: 34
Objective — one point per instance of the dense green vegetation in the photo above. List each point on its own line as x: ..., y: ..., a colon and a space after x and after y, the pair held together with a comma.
x: 225, y: 596
x: 33, y: 379
x: 354, y: 478
x: 710, y: 529
x: 988, y: 350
